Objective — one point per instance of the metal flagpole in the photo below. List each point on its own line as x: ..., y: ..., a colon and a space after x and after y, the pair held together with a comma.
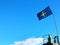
x: 56, y: 29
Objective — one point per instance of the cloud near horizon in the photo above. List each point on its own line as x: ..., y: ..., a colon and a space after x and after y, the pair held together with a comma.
x: 30, y: 41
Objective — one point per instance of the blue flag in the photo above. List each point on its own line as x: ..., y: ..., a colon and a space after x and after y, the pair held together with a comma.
x: 44, y: 13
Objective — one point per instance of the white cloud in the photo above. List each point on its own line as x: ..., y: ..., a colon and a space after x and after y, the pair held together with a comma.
x: 30, y: 41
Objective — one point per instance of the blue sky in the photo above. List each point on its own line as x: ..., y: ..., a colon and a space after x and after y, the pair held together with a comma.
x: 18, y: 19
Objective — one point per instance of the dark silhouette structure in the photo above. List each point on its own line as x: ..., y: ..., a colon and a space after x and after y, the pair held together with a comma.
x: 50, y: 42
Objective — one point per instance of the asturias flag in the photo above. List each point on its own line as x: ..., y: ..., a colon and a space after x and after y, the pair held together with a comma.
x: 44, y: 13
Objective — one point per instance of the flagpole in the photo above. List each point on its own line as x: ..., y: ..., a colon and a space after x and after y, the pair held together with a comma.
x: 56, y: 29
